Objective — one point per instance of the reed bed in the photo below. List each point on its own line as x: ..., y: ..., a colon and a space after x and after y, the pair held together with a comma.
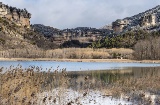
x: 142, y: 89
x: 33, y: 86
x: 20, y: 86
x: 138, y: 85
x: 90, y: 53
x: 69, y: 53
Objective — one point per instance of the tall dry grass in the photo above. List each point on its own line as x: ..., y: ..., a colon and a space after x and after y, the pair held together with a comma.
x: 69, y: 53
x: 20, y: 86
x: 89, y: 53
x: 120, y: 52
x: 77, y: 53
x: 24, y: 86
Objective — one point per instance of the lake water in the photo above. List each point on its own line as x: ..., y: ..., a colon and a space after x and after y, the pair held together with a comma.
x: 76, y: 66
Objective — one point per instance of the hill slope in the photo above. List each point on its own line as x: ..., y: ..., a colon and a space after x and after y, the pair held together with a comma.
x: 148, y: 20
x: 21, y: 41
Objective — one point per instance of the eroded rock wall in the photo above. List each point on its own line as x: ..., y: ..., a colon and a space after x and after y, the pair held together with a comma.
x: 21, y: 17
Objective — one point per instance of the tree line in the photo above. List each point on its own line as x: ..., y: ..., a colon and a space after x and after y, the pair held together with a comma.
x: 145, y: 44
x: 126, y: 40
x: 147, y: 49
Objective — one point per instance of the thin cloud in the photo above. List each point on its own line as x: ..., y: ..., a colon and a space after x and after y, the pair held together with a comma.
x: 77, y: 13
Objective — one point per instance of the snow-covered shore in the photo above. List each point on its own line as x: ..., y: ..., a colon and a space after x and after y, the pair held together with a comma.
x: 71, y: 97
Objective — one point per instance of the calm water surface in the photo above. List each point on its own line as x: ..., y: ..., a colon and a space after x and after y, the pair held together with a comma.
x: 76, y: 66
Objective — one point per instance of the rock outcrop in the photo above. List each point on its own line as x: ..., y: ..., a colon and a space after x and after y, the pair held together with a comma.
x: 148, y: 20
x: 82, y: 34
x: 20, y: 17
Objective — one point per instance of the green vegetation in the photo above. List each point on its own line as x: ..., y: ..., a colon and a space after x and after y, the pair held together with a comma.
x: 145, y: 45
x: 74, y: 43
x: 126, y: 40
x: 39, y: 40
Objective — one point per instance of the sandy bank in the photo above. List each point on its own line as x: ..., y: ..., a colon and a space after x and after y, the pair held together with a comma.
x: 81, y: 60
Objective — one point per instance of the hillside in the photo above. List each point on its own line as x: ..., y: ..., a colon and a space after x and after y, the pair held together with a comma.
x: 75, y: 37
x: 130, y: 30
x: 148, y: 20
x: 12, y: 36
x: 17, y: 38
x: 20, y: 39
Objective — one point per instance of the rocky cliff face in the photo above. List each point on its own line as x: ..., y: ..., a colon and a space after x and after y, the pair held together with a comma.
x: 47, y: 31
x: 20, y: 17
x: 148, y: 20
x: 81, y: 34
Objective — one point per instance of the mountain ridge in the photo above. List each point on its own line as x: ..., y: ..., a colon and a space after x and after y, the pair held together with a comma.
x: 148, y: 20
x: 53, y: 37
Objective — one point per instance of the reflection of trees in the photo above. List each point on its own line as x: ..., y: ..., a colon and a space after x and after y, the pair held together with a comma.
x: 101, y: 78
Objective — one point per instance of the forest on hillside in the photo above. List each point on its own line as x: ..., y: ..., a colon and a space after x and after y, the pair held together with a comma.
x: 145, y: 45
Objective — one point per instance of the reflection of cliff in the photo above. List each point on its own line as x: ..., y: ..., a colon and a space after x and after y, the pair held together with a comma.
x: 18, y: 16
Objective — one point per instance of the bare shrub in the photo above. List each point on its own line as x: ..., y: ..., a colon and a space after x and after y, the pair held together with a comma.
x: 147, y: 49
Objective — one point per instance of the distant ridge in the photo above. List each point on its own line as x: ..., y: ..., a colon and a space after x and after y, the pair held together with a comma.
x: 148, y: 20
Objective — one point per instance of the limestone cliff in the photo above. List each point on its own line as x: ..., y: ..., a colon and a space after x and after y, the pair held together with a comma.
x: 20, y: 17
x: 148, y: 20
x: 81, y: 34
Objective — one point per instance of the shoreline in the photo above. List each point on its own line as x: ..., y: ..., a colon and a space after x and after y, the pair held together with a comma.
x: 81, y: 60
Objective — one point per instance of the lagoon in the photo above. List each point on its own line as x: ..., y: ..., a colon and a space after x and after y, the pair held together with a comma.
x: 76, y: 66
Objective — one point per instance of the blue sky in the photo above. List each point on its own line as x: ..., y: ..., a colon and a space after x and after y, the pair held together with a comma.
x: 78, y: 13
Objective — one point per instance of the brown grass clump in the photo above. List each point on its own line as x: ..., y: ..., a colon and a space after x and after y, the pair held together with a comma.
x: 32, y: 85
x: 19, y: 86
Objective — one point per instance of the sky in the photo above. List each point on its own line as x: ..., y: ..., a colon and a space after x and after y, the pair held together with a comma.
x: 64, y: 14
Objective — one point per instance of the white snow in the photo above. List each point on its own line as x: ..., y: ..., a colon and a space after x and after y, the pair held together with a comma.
x: 65, y: 96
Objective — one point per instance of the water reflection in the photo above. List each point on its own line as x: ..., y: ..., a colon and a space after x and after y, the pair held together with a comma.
x: 139, y: 84
x: 105, y: 77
